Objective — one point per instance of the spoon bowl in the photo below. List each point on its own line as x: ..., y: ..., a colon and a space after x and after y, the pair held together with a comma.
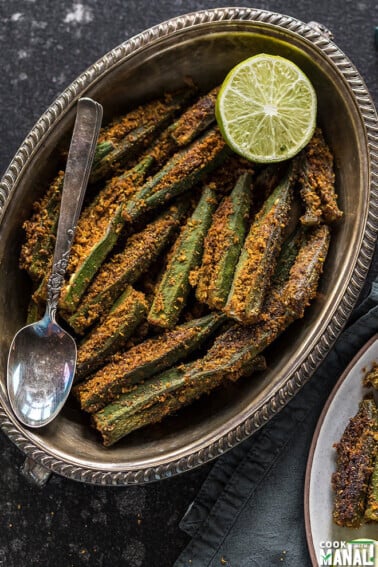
x: 39, y: 383
x: 42, y: 356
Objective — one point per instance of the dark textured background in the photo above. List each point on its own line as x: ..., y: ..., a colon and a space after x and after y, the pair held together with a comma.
x: 44, y: 45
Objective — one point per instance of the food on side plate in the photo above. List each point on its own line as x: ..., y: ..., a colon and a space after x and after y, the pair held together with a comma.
x: 189, y: 260
x: 371, y: 510
x: 355, y: 481
x: 371, y: 377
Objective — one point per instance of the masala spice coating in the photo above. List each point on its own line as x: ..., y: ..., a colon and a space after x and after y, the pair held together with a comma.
x: 143, y: 360
x: 137, y: 117
x: 195, y: 119
x: 114, y: 427
x: 232, y: 356
x: 258, y: 256
x: 189, y: 126
x: 36, y: 251
x: 317, y: 181
x: 173, y: 289
x: 303, y: 282
x: 128, y: 136
x: 126, y: 267
x: 371, y: 378
x: 186, y: 266
x: 185, y: 169
x: 112, y: 333
x: 96, y: 217
x: 371, y: 510
x: 356, y: 452
x: 222, y: 245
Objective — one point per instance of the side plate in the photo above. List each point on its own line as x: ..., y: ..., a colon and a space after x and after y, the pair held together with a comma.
x: 341, y: 405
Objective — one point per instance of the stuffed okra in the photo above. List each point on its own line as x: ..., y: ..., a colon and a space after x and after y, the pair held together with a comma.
x: 126, y: 137
x: 197, y: 118
x: 125, y: 316
x: 233, y: 353
x: 36, y: 252
x: 163, y: 395
x: 371, y: 510
x: 354, y: 465
x: 222, y: 245
x: 97, y: 233
x: 317, y: 183
x: 182, y: 272
x: 144, y: 360
x: 184, y: 170
x: 173, y: 289
x: 257, y: 259
x: 126, y: 267
x: 92, y: 246
x: 371, y: 377
x: 167, y: 406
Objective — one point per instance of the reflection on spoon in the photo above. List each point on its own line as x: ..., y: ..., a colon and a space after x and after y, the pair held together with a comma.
x: 40, y: 381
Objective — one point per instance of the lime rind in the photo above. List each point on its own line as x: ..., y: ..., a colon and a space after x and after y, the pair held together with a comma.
x: 266, y: 109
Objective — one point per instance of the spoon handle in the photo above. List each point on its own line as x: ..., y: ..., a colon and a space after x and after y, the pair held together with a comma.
x: 78, y: 167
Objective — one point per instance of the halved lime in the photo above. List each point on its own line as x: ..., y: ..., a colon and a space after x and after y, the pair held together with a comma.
x: 266, y: 109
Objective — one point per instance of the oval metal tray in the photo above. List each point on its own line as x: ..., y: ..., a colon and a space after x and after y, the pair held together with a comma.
x: 203, y: 45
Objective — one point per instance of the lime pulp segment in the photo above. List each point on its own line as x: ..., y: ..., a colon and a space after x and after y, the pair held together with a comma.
x: 266, y: 108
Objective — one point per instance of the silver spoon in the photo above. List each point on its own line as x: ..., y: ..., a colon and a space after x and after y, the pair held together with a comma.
x: 42, y: 356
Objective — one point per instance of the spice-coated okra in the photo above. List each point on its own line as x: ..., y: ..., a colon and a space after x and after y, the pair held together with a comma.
x: 371, y: 378
x: 113, y: 422
x: 138, y: 359
x: 97, y: 233
x: 222, y: 245
x: 123, y: 140
x: 174, y: 286
x: 197, y: 118
x: 232, y: 355
x: 113, y: 211
x: 36, y: 251
x: 354, y: 464
x: 125, y: 267
x: 184, y: 170
x: 371, y: 510
x: 145, y: 359
x: 258, y: 257
x: 317, y: 183
x: 114, y: 140
x: 125, y: 316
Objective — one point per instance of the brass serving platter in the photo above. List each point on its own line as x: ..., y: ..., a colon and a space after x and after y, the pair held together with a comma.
x: 203, y: 45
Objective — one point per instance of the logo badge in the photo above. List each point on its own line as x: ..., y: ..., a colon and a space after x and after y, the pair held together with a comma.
x: 355, y: 553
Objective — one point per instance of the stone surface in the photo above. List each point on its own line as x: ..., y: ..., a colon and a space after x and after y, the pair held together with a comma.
x: 43, y: 47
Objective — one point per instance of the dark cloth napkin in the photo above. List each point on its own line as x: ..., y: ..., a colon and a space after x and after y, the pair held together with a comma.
x: 249, y: 511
